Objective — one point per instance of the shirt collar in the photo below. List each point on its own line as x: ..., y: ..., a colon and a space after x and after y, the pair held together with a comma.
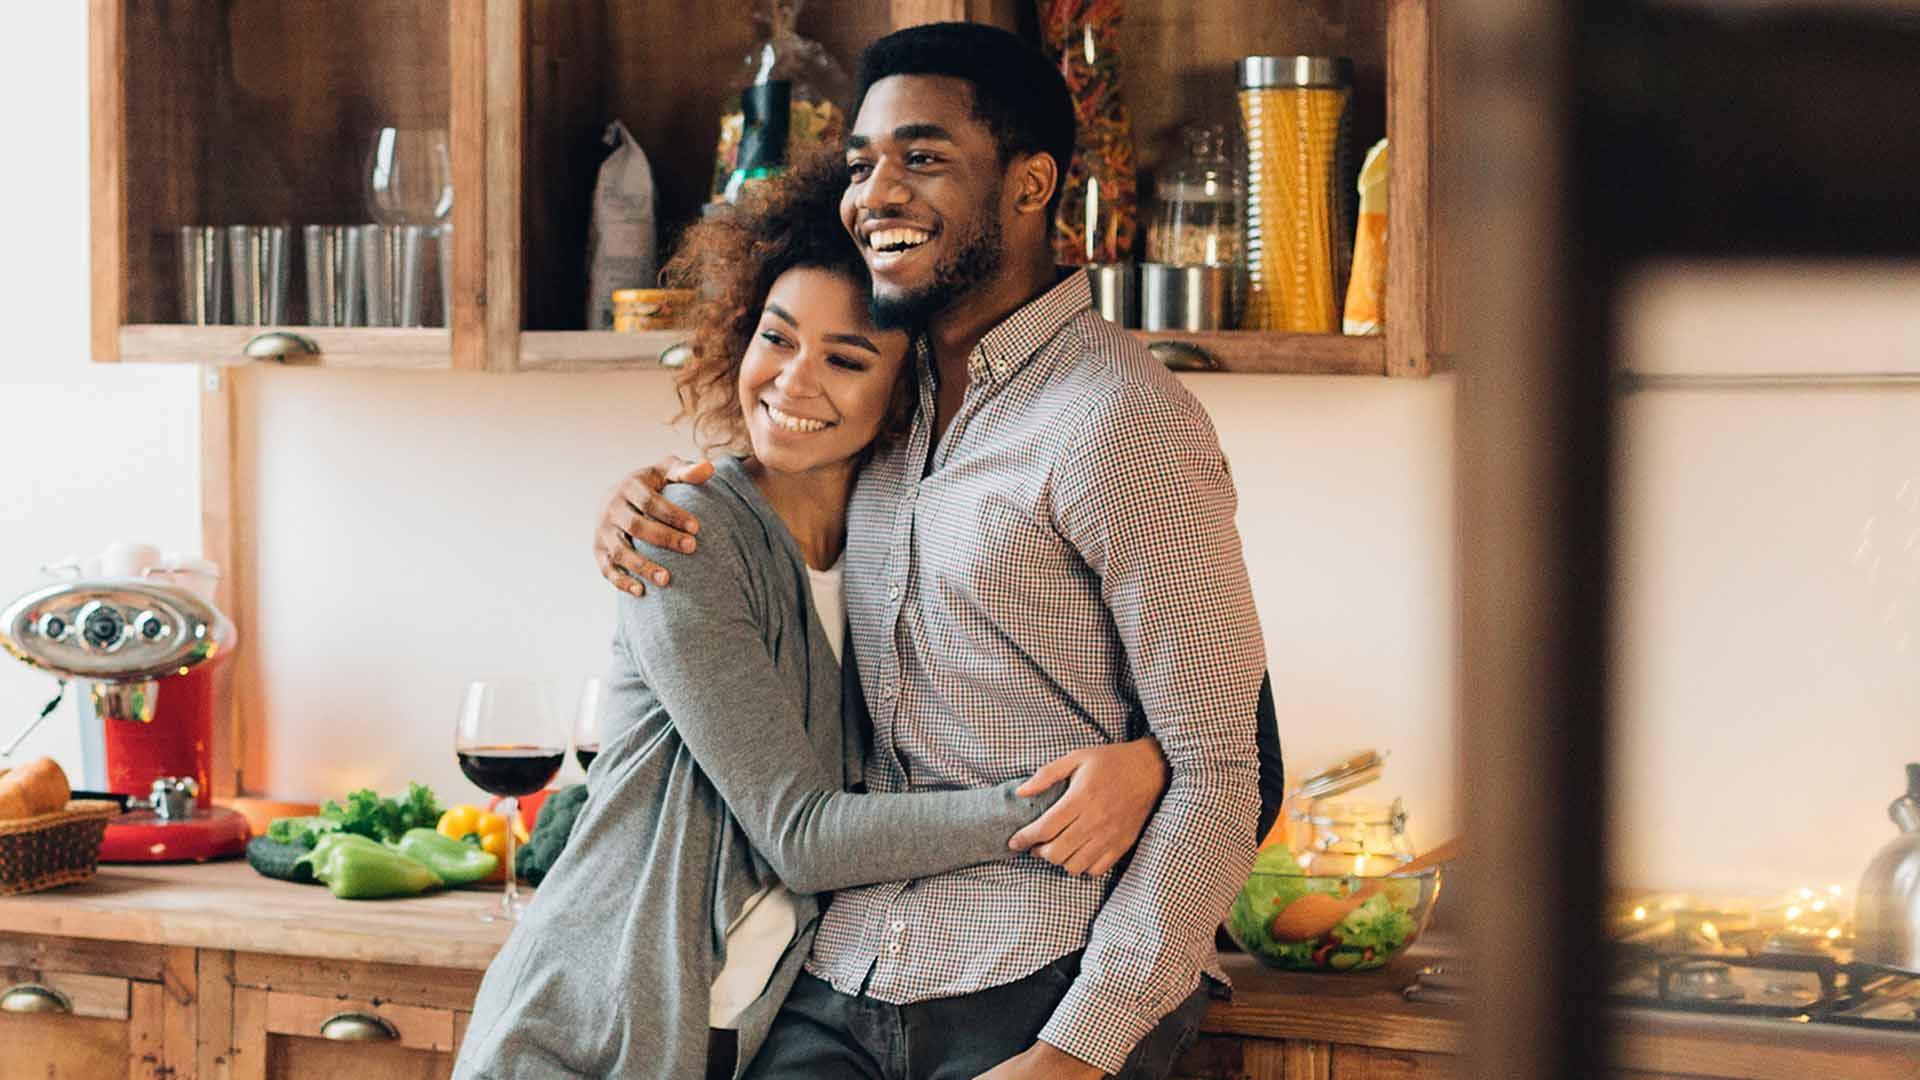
x: 1007, y: 347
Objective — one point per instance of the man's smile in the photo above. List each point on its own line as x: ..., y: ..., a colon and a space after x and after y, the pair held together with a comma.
x: 889, y: 244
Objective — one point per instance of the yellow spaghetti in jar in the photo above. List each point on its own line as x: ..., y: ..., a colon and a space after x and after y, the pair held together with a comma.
x: 1298, y: 242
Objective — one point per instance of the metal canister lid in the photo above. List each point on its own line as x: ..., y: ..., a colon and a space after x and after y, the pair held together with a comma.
x: 1294, y: 72
x: 1360, y: 769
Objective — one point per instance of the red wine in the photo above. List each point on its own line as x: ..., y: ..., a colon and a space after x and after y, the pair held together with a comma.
x: 511, y: 771
x: 586, y: 754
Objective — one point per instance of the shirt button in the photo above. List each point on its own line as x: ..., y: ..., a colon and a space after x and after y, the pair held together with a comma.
x: 899, y: 926
x: 894, y: 947
x: 886, y: 693
x: 893, y: 592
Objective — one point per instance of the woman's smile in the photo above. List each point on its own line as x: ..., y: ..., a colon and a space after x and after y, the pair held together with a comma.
x: 792, y: 422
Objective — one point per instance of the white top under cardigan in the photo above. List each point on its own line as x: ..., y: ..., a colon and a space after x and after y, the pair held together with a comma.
x: 760, y: 935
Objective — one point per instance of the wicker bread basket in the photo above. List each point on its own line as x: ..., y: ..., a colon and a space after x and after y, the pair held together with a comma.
x: 53, y: 849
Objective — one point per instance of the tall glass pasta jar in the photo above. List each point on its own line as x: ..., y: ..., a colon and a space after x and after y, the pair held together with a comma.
x: 1098, y: 214
x: 1298, y: 218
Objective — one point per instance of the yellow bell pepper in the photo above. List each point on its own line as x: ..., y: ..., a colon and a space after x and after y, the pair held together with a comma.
x: 459, y: 821
x: 463, y: 821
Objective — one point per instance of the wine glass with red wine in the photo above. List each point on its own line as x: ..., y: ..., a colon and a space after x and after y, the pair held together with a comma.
x: 586, y: 722
x: 509, y: 744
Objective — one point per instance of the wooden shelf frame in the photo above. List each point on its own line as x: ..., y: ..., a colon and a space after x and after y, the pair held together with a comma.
x: 497, y: 69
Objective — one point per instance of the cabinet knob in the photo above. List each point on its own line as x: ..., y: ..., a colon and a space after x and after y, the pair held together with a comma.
x: 358, y: 1027
x: 33, y: 998
x: 281, y: 346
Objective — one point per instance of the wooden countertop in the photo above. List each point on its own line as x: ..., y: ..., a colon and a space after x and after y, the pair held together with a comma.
x: 1367, y: 1009
x: 226, y: 905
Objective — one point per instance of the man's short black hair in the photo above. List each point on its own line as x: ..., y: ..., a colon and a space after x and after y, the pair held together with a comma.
x: 1017, y: 93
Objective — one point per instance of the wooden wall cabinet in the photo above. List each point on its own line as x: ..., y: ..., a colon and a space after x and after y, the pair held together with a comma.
x: 208, y: 112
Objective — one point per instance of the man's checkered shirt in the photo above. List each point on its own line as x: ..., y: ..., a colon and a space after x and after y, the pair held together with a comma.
x: 1063, y: 573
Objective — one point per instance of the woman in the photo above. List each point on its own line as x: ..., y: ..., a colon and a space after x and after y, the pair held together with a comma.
x: 683, y: 904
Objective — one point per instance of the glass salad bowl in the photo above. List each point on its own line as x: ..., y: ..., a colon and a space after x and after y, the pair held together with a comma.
x: 1368, y: 937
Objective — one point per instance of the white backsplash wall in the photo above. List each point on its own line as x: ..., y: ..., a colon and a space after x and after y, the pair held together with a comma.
x: 96, y: 453
x: 416, y: 531
x: 1769, y: 605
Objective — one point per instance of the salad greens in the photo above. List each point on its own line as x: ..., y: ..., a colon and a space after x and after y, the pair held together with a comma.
x: 301, y: 832
x: 369, y: 815
x: 1367, y: 938
x: 365, y: 814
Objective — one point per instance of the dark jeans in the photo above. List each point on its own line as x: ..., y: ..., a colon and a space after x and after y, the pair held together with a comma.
x: 821, y: 1032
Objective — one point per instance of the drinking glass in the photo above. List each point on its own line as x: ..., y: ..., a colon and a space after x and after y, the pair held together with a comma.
x: 586, y: 722
x: 509, y: 744
x: 409, y: 177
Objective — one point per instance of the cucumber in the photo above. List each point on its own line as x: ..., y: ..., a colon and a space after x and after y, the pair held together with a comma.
x: 281, y: 861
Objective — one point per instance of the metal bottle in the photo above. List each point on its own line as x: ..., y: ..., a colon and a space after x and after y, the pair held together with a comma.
x: 1887, y: 920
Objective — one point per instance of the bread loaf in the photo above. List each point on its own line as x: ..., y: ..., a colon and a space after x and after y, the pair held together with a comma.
x: 38, y: 787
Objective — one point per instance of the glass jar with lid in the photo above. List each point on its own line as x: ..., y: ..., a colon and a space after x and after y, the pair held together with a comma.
x: 1197, y: 203
x: 1355, y: 837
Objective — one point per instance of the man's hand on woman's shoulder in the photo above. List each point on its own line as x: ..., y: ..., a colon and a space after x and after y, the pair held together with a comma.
x: 636, y: 511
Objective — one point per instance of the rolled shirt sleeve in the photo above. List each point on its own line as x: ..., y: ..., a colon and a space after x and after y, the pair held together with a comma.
x: 1145, y: 497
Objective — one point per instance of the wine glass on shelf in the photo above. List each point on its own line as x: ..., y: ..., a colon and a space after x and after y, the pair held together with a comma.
x: 409, y: 176
x: 586, y: 722
x: 509, y: 744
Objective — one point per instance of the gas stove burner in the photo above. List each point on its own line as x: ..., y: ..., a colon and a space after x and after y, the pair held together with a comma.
x: 1799, y: 942
x: 1702, y: 980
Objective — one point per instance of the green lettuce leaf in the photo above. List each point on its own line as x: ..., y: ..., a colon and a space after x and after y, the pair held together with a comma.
x: 367, y: 814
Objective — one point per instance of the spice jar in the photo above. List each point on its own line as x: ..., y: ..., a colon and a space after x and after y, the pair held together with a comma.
x: 1298, y: 213
x: 1197, y: 204
x: 635, y: 310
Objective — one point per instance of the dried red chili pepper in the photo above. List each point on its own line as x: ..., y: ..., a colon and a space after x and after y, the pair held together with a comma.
x: 1099, y: 211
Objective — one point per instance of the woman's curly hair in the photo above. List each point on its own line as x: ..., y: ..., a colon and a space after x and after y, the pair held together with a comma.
x: 731, y: 258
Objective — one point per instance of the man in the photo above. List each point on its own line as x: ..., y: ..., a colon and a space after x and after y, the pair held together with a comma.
x: 1047, y: 561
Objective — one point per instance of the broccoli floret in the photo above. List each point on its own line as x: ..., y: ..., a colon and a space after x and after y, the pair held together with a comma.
x: 550, y: 833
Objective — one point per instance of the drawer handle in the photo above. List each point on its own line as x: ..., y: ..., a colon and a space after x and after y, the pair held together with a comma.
x: 1183, y: 356
x: 33, y: 998
x: 280, y: 345
x: 358, y: 1027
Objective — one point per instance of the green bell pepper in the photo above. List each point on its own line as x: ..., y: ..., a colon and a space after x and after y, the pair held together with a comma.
x: 456, y: 862
x: 356, y: 868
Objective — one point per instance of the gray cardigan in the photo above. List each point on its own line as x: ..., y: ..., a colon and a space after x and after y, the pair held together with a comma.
x: 723, y: 768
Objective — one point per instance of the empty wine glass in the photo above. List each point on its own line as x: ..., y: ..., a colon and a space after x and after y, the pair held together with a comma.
x: 409, y: 176
x: 509, y: 744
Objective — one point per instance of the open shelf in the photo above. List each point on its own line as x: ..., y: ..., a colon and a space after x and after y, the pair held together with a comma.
x: 393, y: 348
x: 247, y: 112
x: 198, y: 118
x: 1233, y: 352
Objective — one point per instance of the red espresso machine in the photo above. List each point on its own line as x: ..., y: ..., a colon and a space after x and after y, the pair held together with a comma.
x: 148, y: 658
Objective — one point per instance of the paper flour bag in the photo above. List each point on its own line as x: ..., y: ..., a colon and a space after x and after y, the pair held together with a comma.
x: 622, y: 243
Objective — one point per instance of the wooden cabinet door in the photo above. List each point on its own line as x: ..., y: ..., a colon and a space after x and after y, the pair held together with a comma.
x: 56, y: 1025
x: 290, y: 1036
x: 1369, y: 1063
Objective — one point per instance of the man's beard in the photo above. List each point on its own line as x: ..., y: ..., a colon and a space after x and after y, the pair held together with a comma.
x: 978, y: 261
